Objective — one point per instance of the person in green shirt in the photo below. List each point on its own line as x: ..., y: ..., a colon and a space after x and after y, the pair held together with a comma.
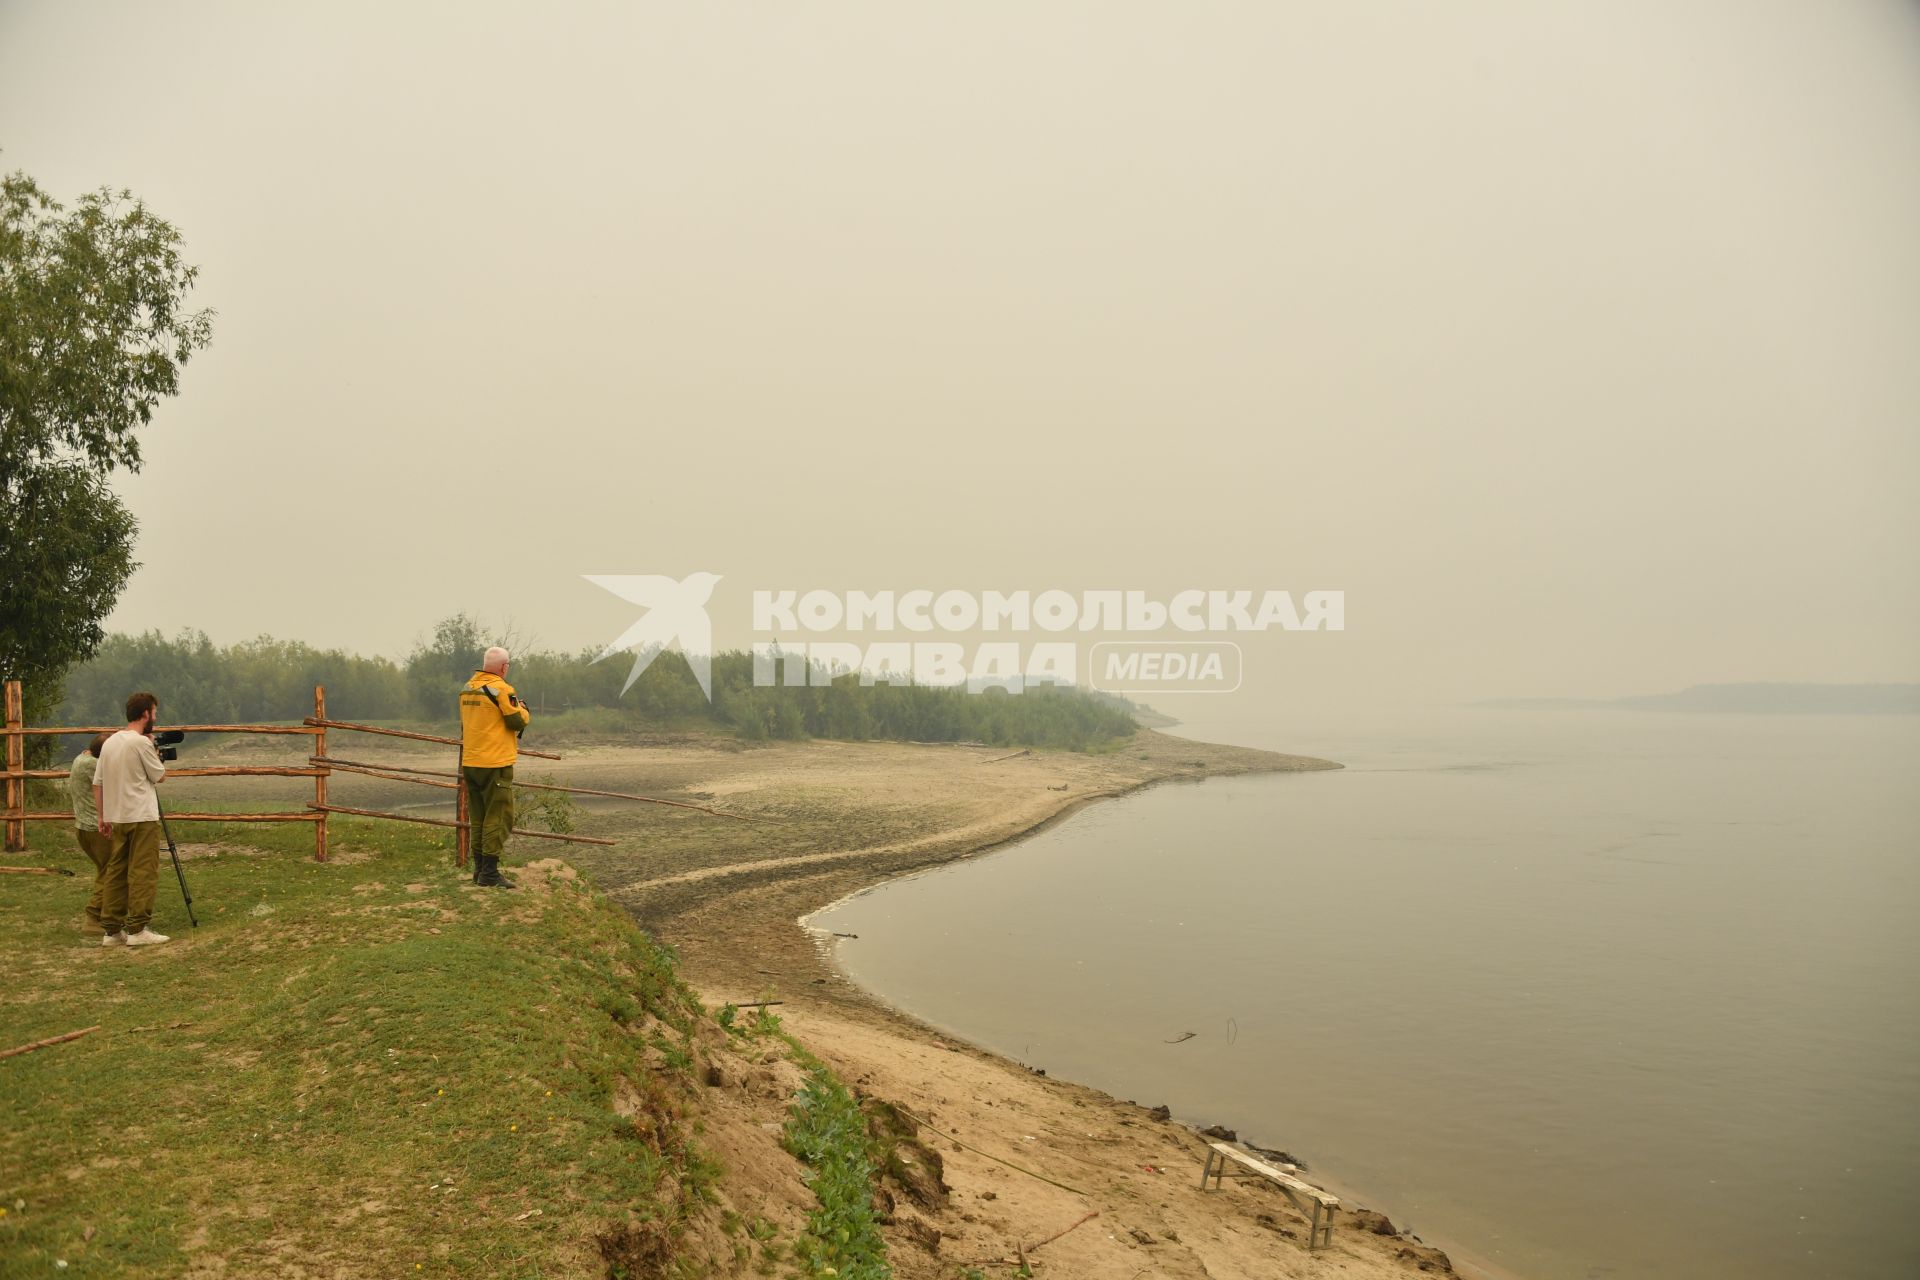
x: 86, y: 823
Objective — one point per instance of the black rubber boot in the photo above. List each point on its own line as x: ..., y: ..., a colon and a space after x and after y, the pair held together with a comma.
x: 490, y: 876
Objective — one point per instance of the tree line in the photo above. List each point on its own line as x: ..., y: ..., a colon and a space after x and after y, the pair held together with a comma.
x: 266, y: 680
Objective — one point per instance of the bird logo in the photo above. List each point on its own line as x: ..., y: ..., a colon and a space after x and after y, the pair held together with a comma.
x: 676, y: 612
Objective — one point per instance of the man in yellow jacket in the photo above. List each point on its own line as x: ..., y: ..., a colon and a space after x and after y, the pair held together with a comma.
x: 492, y: 718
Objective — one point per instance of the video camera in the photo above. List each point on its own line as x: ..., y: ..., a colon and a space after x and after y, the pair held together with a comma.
x: 168, y: 740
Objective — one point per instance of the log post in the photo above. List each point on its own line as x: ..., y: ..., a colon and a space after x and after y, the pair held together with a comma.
x: 460, y: 815
x: 320, y: 779
x: 16, y: 761
x: 462, y: 847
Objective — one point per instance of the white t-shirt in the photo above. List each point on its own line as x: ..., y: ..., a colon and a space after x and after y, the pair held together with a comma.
x: 129, y: 767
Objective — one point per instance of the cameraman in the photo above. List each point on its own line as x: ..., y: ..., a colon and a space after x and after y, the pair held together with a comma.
x: 130, y: 767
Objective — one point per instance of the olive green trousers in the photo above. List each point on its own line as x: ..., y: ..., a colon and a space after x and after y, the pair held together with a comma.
x: 489, y: 808
x: 131, y: 877
x: 96, y: 847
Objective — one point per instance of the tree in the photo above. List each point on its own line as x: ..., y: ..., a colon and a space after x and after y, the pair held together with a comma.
x: 69, y: 551
x: 94, y: 328
x: 436, y: 669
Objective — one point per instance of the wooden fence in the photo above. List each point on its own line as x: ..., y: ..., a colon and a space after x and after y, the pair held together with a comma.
x: 320, y: 766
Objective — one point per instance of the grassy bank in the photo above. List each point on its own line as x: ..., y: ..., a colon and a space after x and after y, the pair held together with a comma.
x: 361, y: 1068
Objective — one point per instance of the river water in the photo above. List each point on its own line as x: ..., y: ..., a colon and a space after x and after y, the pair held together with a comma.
x: 1575, y: 994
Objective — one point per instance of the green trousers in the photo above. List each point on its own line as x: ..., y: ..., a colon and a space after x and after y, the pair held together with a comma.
x: 131, y: 876
x: 96, y: 847
x: 489, y: 808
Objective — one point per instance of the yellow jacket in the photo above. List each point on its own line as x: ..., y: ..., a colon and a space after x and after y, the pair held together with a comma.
x: 491, y: 721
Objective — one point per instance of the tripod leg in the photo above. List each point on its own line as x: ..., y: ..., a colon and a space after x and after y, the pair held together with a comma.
x: 180, y: 875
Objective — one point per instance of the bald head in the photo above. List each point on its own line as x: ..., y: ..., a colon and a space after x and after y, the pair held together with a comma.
x: 496, y: 660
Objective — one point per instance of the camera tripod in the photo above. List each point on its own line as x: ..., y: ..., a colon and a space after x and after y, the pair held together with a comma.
x: 178, y: 873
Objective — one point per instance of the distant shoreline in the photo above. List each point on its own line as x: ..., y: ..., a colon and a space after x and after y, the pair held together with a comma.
x: 1741, y: 699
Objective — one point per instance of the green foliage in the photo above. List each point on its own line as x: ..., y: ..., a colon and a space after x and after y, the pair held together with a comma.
x: 1042, y: 716
x: 765, y: 1022
x: 250, y: 682
x: 827, y: 1131
x: 69, y: 551
x: 438, y: 668
x: 266, y: 679
x: 93, y: 331
x: 95, y: 327
x: 545, y: 810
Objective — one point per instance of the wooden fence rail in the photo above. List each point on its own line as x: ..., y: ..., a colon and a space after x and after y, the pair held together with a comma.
x: 321, y: 723
x: 17, y: 774
x: 319, y: 766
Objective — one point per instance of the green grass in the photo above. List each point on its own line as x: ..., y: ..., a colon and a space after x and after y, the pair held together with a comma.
x: 364, y: 1067
x: 828, y: 1132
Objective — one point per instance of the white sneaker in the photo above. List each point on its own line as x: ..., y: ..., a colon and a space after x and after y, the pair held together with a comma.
x: 147, y: 938
x: 114, y: 940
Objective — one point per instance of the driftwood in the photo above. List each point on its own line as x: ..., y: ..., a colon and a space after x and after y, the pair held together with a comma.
x: 1015, y: 756
x: 35, y: 871
x: 50, y: 1040
x: 1021, y: 1251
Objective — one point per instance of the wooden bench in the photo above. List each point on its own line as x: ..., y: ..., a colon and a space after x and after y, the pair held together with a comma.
x: 1310, y: 1200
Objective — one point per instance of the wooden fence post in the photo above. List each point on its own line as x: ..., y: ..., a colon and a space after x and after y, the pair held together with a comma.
x: 460, y: 845
x: 16, y: 761
x: 320, y: 779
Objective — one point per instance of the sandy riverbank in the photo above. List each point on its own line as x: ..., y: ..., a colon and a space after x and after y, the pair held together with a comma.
x: 834, y: 818
x: 888, y: 809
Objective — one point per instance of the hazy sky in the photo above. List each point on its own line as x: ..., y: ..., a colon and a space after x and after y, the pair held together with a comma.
x: 1576, y: 342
